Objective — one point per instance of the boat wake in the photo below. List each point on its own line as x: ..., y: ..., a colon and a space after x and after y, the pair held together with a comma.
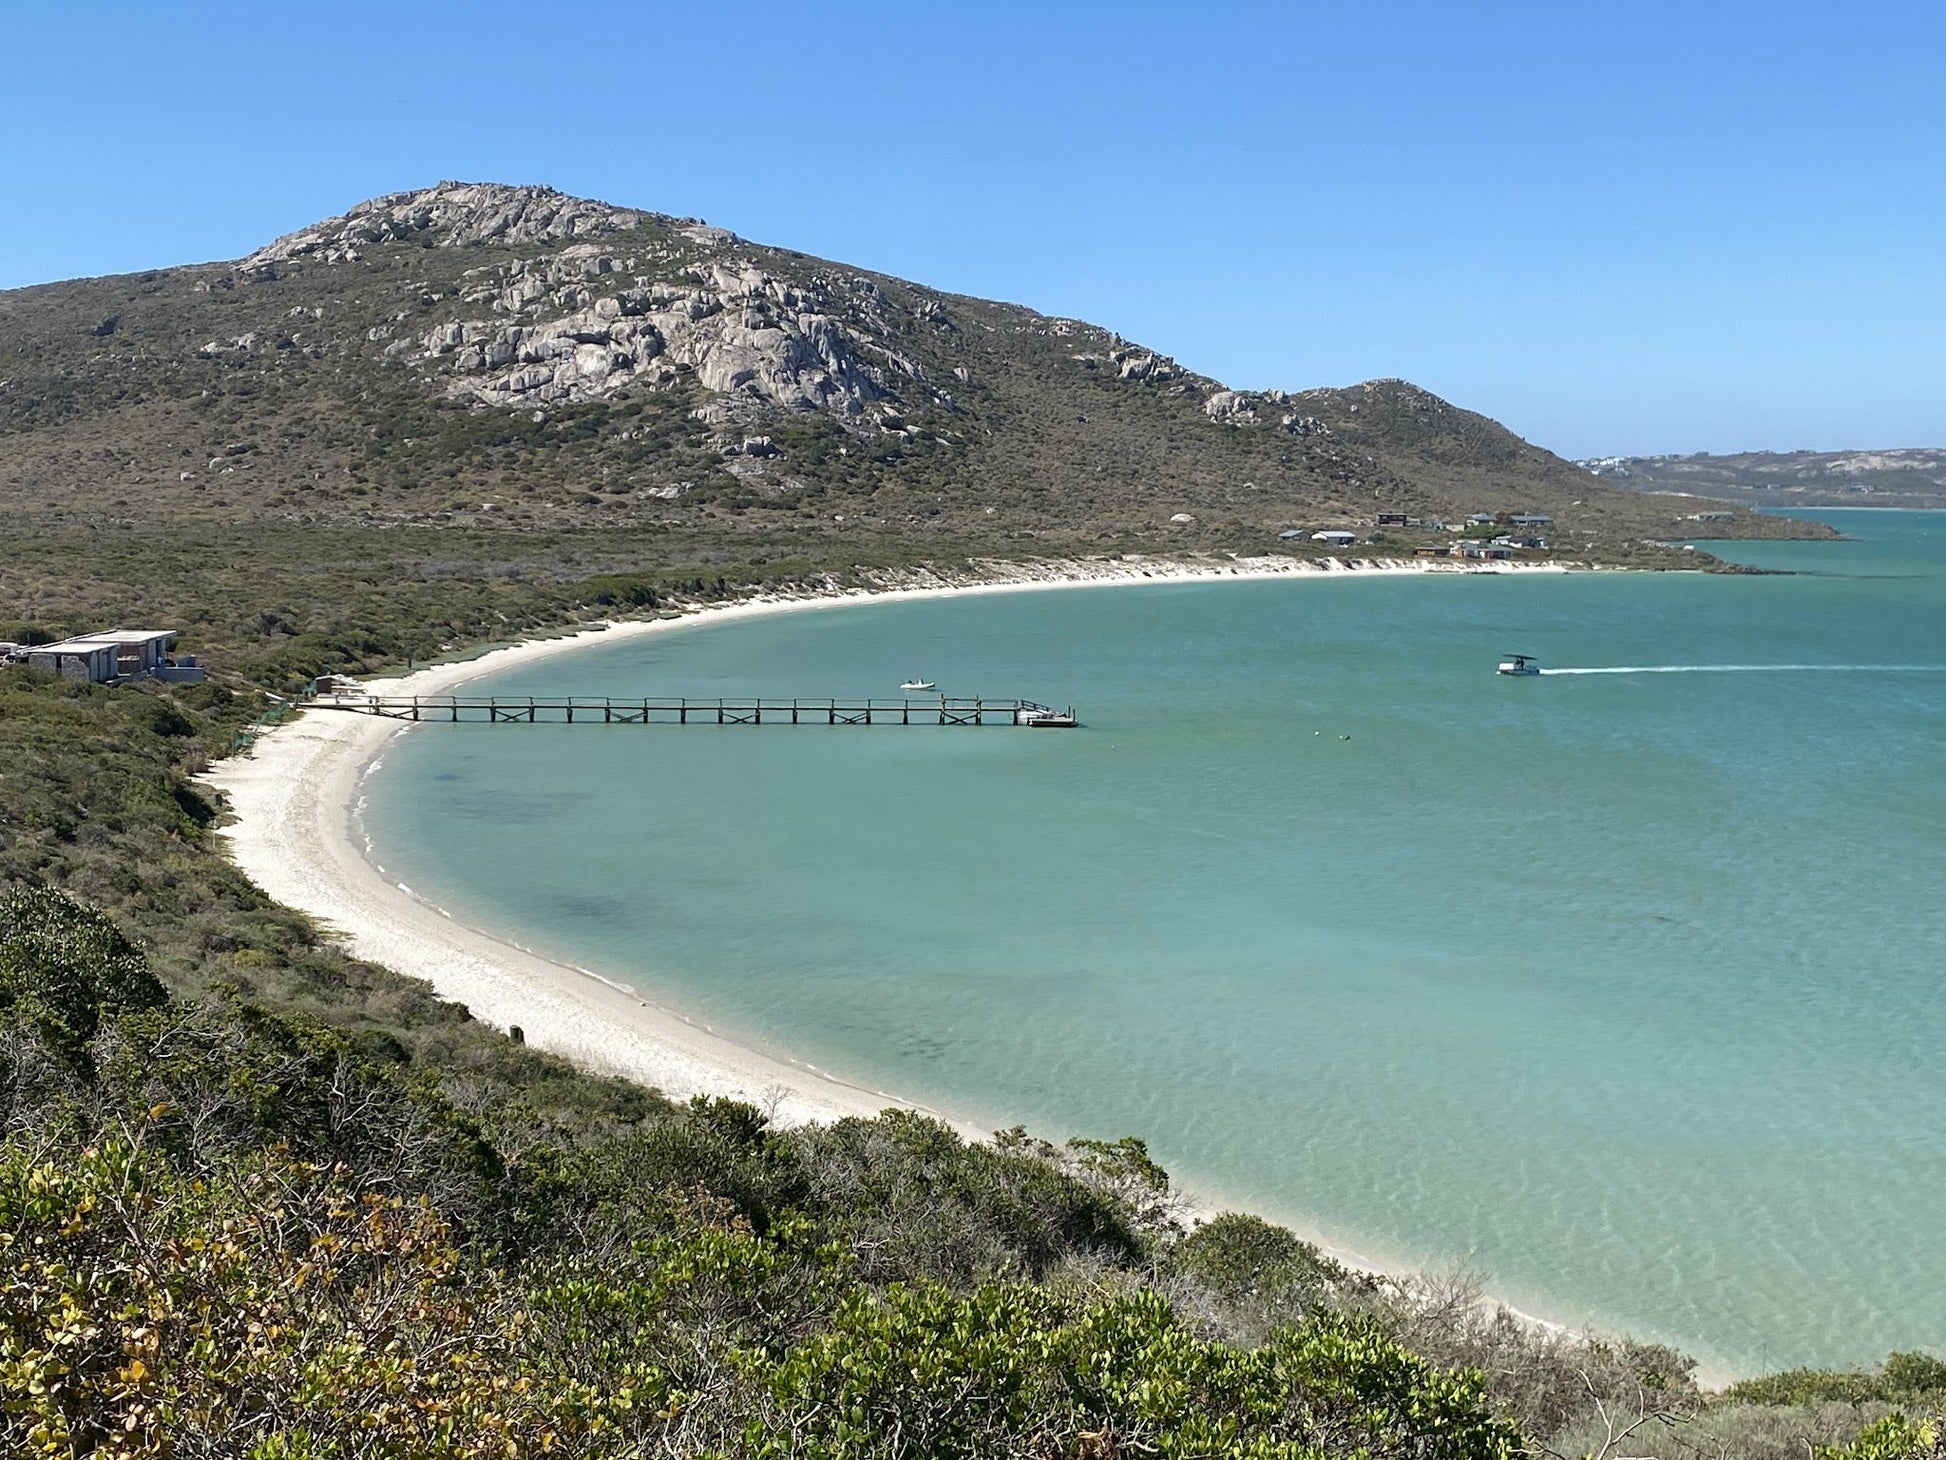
x: 1757, y: 669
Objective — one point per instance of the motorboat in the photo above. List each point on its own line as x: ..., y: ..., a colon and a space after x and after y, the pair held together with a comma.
x: 918, y: 684
x: 1040, y: 717
x: 1522, y: 664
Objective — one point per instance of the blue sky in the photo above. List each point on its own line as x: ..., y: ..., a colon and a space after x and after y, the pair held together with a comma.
x: 1617, y: 227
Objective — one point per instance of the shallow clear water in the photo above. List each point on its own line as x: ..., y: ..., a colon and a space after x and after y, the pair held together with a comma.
x: 1623, y: 990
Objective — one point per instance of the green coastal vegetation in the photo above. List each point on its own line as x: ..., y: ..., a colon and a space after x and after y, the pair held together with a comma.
x: 259, y: 1198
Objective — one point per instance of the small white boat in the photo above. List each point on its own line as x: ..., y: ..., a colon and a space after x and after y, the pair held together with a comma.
x: 1039, y: 717
x: 921, y: 684
x: 1519, y: 664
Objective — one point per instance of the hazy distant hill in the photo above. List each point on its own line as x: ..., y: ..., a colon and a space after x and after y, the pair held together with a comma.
x: 1903, y: 478
x: 482, y: 355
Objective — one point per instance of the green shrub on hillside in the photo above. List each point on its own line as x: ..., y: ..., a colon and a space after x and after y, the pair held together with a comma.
x: 1244, y: 1257
x: 1009, y: 1370
x: 63, y: 966
x: 1893, y: 1438
x: 1904, y: 1378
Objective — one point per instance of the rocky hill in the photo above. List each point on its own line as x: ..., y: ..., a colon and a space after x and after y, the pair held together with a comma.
x: 481, y: 355
x: 1901, y: 478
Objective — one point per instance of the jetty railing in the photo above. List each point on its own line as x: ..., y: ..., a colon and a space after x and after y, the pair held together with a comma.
x: 579, y: 710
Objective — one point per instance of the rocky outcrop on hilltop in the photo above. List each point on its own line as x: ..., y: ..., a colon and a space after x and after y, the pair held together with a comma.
x: 453, y: 214
x: 583, y: 324
x: 1124, y: 362
x: 1251, y: 408
x: 600, y: 299
x: 610, y: 297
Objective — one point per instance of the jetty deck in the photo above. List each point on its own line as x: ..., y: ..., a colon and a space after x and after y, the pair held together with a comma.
x: 578, y: 710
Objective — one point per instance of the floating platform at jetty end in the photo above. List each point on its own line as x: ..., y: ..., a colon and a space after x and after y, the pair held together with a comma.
x: 577, y: 710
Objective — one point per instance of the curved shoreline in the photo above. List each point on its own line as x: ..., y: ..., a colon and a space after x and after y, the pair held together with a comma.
x: 295, y: 798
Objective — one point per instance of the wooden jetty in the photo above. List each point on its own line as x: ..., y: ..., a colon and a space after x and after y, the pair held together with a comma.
x: 576, y: 710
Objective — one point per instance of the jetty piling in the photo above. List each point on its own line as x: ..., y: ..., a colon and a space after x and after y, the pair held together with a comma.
x: 802, y: 710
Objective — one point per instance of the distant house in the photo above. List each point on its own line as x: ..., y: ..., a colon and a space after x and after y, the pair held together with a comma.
x: 1290, y: 533
x: 1485, y: 550
x: 92, y: 661
x: 1481, y: 519
x: 1432, y: 552
x: 1336, y: 536
x: 115, y: 655
x: 1393, y: 519
x: 139, y: 651
x: 1710, y: 517
x: 1530, y: 519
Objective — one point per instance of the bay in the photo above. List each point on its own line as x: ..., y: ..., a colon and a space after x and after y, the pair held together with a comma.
x: 1623, y: 990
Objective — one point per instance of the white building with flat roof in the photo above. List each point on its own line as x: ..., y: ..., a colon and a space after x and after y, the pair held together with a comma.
x: 114, y: 655
x: 92, y: 661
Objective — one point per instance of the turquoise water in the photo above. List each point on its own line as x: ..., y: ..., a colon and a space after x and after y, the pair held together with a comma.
x: 1623, y: 990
